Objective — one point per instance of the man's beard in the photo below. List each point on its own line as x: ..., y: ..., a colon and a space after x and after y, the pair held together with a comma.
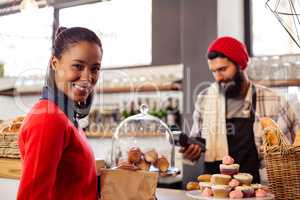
x: 233, y: 87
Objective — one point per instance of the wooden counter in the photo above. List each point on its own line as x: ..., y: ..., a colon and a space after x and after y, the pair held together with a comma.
x: 10, y: 168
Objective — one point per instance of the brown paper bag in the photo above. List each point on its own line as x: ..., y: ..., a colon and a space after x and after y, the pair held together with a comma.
x: 119, y: 184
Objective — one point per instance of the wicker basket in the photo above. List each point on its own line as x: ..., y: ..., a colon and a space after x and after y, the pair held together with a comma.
x: 8, y: 143
x: 283, y: 168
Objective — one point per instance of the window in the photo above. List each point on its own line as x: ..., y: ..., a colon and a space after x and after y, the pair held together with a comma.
x: 123, y: 26
x: 268, y: 36
x: 25, y: 40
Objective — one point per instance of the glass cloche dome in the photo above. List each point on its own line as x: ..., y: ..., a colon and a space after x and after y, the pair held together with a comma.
x: 146, y: 132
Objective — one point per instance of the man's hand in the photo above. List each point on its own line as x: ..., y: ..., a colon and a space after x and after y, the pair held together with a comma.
x: 192, y: 152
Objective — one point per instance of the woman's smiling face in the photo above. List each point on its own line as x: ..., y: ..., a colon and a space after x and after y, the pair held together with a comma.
x: 77, y: 71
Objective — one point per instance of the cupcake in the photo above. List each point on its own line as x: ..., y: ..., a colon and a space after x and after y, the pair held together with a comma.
x: 204, y: 185
x: 244, y: 178
x: 227, y: 160
x: 192, y: 186
x: 246, y: 190
x: 220, y: 179
x: 151, y: 156
x: 134, y: 155
x: 207, y: 192
x: 236, y: 194
x: 234, y: 183
x: 260, y: 193
x: 229, y: 169
x: 257, y: 186
x: 221, y: 191
x: 204, y: 178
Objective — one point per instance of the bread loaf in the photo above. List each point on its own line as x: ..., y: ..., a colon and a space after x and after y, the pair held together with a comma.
x: 162, y: 164
x: 151, y: 156
x: 143, y: 165
x: 270, y: 127
x: 297, y: 138
x: 134, y: 155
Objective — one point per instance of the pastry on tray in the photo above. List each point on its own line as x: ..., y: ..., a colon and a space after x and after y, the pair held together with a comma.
x: 234, y: 183
x: 162, y: 164
x: 151, y: 156
x: 207, y: 192
x: 221, y: 191
x: 192, y: 186
x: 260, y: 193
x: 204, y: 178
x: 230, y: 170
x: 244, y: 178
x: 227, y: 160
x: 230, y: 184
x: 220, y: 179
x: 257, y: 186
x: 143, y: 165
x: 236, y: 194
x: 246, y: 190
x: 204, y: 185
x: 134, y: 155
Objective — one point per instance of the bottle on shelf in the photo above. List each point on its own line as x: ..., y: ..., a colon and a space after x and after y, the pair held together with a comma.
x: 147, y: 101
x: 153, y: 109
x: 170, y: 113
x: 132, y: 109
x: 116, y: 114
x: 177, y: 114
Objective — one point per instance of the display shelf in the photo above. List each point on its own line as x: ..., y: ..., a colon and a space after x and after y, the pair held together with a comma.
x: 142, y: 88
x: 154, y: 88
x: 278, y: 83
x: 108, y: 90
x: 109, y: 134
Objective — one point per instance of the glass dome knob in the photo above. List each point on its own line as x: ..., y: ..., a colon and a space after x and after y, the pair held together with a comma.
x: 144, y: 109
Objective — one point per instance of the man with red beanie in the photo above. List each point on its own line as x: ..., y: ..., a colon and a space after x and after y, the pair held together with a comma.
x: 227, y: 113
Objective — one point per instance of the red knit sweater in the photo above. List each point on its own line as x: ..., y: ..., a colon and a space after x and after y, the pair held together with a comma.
x: 57, y: 161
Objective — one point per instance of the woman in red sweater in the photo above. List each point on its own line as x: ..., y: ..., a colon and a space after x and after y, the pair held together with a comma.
x: 57, y: 161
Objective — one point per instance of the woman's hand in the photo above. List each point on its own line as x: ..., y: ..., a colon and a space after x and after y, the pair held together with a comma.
x: 127, y: 166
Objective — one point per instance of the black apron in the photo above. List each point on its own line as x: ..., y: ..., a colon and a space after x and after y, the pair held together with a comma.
x: 241, y: 144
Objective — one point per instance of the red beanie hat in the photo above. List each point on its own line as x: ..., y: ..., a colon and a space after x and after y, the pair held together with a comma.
x: 231, y: 48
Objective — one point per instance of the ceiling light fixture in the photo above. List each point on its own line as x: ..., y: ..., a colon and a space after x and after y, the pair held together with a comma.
x: 287, y: 12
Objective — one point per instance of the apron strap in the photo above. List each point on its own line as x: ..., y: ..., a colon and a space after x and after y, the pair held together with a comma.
x: 253, y: 104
